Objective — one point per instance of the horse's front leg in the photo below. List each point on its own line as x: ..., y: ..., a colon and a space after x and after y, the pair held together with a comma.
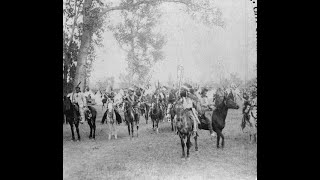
x: 219, y: 134
x: 137, y: 124
x: 182, y: 145
x: 172, y: 121
x: 128, y: 123
x: 188, y: 144
x: 132, y: 128
x: 90, y: 125
x: 77, y: 129
x: 109, y: 130
x: 94, y: 129
x: 72, y: 132
x: 196, y: 141
x: 115, y: 130
x: 157, y: 126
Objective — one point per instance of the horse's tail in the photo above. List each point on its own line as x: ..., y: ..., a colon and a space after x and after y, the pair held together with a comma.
x: 104, y: 117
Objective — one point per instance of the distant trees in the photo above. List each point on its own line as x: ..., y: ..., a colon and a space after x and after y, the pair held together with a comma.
x: 105, y: 84
x: 93, y: 14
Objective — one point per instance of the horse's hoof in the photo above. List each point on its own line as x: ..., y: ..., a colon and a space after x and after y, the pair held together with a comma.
x: 183, y: 156
x: 73, y: 140
x: 187, y: 158
x: 196, y: 149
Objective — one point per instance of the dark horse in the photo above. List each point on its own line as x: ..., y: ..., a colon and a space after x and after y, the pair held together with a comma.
x: 156, y: 114
x: 219, y: 117
x: 131, y: 117
x: 72, y: 116
x: 184, y: 124
x: 172, y: 111
x: 144, y: 109
x: 91, y: 119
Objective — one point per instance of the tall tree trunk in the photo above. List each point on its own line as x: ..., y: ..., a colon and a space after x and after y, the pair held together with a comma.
x: 81, y: 59
x: 84, y: 47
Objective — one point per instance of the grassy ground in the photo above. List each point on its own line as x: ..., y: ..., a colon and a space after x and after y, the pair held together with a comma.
x: 158, y: 156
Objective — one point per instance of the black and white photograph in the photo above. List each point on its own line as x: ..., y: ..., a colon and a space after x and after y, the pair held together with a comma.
x: 160, y: 89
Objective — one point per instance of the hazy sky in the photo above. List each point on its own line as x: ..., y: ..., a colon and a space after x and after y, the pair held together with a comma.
x: 196, y: 46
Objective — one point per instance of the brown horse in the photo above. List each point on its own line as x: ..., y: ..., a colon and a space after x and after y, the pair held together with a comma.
x: 184, y: 124
x: 156, y: 114
x: 131, y: 117
x: 219, y: 117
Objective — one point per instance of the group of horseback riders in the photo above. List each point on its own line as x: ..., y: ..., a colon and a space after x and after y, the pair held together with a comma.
x: 197, y: 104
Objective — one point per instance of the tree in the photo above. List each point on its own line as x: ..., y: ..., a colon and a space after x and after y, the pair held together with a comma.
x: 136, y: 38
x: 170, y: 81
x: 72, y: 31
x: 71, y: 41
x: 94, y: 13
x: 225, y: 83
x: 235, y: 79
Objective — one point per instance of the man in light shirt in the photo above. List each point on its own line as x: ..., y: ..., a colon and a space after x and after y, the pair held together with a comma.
x: 79, y: 99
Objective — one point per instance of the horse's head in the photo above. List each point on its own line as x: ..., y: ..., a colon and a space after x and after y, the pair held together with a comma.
x: 179, y: 110
x: 230, y: 103
x: 66, y: 103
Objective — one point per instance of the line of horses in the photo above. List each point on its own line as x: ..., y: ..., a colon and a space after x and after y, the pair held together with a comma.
x: 181, y: 121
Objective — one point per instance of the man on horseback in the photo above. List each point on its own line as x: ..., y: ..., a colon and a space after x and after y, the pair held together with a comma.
x: 188, y: 105
x: 132, y: 98
x: 245, y: 110
x: 218, y: 97
x: 205, y: 106
x: 79, y: 99
x: 171, y: 100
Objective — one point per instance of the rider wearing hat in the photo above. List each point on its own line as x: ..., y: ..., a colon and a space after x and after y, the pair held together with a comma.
x: 205, y: 106
x: 79, y: 99
x: 132, y: 98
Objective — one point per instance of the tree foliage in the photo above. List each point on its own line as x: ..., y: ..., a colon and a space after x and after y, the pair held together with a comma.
x: 73, y: 11
x: 93, y: 14
x: 236, y: 80
x: 136, y: 37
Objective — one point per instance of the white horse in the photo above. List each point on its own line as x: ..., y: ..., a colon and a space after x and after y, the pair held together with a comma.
x: 111, y: 121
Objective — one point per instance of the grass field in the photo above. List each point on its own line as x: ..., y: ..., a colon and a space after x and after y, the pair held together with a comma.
x: 158, y: 156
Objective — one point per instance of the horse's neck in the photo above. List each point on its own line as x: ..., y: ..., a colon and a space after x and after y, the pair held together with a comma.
x: 222, y: 111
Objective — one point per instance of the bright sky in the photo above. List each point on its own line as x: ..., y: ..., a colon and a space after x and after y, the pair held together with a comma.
x: 196, y: 46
